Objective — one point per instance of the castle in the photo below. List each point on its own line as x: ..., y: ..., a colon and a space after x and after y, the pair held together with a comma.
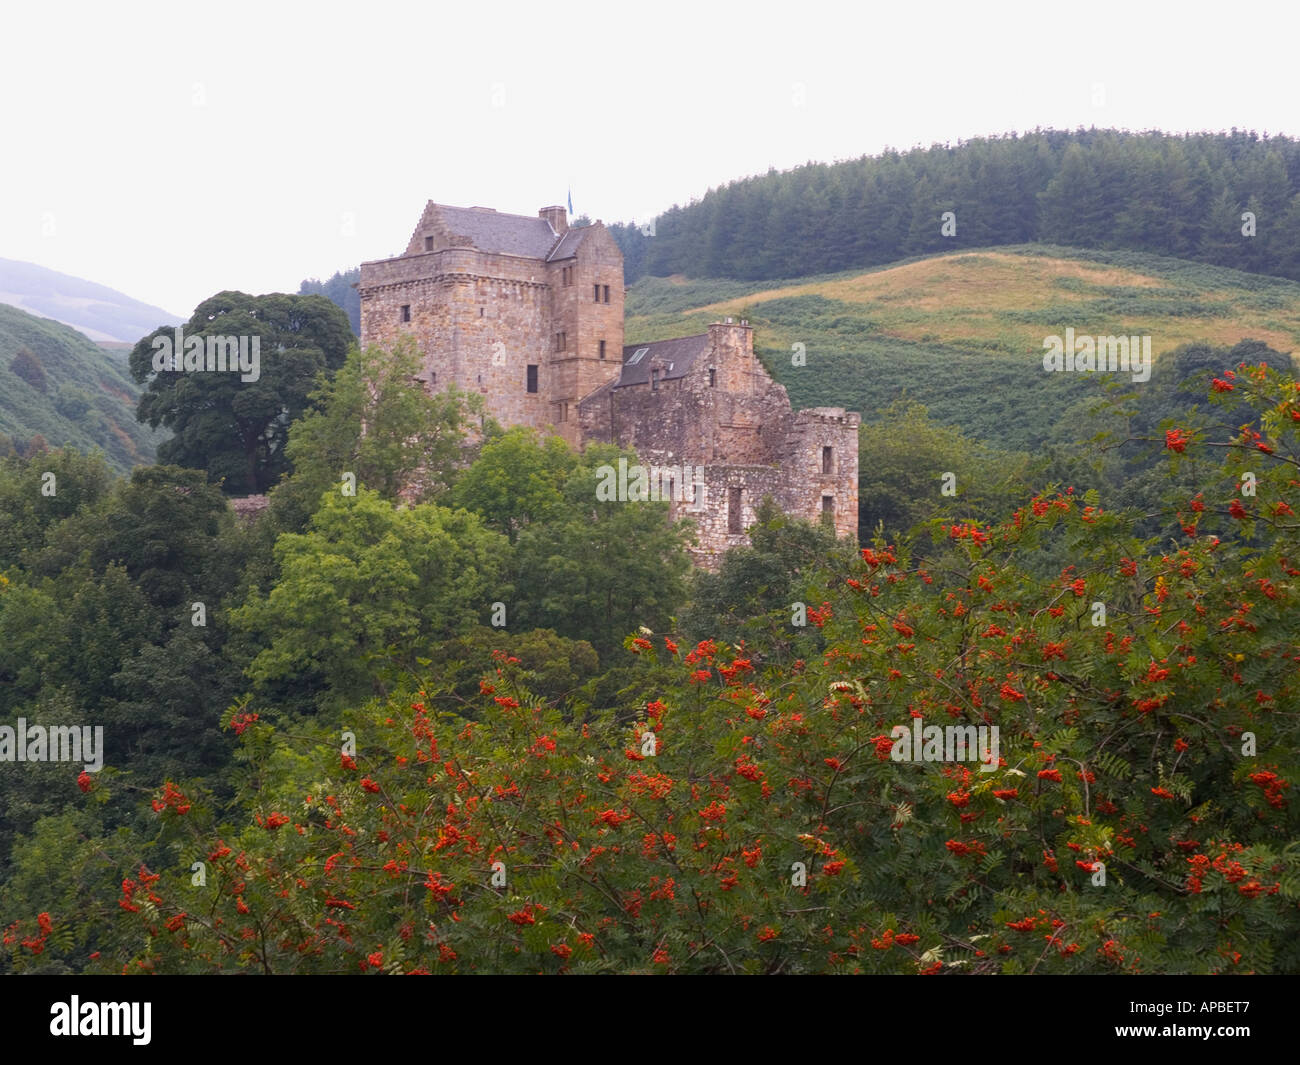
x: 529, y: 313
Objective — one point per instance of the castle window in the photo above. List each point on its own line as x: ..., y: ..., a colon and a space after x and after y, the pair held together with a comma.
x: 595, y: 298
x: 480, y: 312
x: 602, y: 349
x: 828, y: 508
x: 561, y: 341
x: 713, y: 377
x: 828, y: 460
x: 532, y: 378
x: 406, y: 312
x: 433, y: 377
x: 564, y: 412
x: 428, y: 244
x: 733, y: 510
x: 606, y: 293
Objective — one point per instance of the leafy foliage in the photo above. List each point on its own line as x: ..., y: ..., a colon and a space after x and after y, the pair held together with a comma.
x: 733, y: 811
x: 232, y: 428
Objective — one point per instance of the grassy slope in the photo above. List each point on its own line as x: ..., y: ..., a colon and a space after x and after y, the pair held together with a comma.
x: 77, y: 371
x: 963, y: 333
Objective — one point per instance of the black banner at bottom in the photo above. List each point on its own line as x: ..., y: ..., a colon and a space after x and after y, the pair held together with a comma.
x: 161, y: 1013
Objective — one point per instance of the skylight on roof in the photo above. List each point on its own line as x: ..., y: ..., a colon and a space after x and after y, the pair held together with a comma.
x: 637, y: 356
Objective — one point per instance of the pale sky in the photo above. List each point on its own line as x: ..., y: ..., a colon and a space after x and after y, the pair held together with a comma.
x: 174, y: 150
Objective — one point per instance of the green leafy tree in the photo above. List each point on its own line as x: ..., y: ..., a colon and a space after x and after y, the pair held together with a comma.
x: 29, y: 368
x: 375, y: 420
x: 369, y: 585
x: 169, y: 528
x: 599, y: 570
x: 233, y: 428
x: 751, y: 599
x: 32, y: 504
x: 903, y: 460
x: 517, y: 481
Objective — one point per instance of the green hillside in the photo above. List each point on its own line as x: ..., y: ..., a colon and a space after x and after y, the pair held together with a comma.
x: 1182, y: 195
x: 59, y: 385
x: 963, y: 333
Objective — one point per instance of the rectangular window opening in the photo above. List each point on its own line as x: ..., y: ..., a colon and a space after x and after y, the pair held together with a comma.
x: 595, y: 298
x: 602, y: 349
x: 828, y: 507
x: 428, y: 244
x: 532, y: 378
x: 733, y: 511
x: 406, y: 312
x: 828, y: 460
x: 606, y: 293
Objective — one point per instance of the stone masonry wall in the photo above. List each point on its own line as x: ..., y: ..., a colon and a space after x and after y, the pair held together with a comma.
x: 804, y: 461
x: 481, y: 319
x: 745, y: 436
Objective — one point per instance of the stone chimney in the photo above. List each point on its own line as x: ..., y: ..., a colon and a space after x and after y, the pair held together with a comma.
x: 556, y: 216
x: 732, y: 348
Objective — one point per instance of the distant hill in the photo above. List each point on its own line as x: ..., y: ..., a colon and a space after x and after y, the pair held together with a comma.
x: 58, y: 385
x: 1166, y: 194
x: 99, y: 312
x: 963, y: 333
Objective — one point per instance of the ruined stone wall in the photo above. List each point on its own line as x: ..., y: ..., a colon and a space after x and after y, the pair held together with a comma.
x: 480, y: 320
x: 715, y: 516
x: 804, y: 461
x: 738, y: 418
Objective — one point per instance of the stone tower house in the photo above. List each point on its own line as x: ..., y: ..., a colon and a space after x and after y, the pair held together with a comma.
x: 525, y: 311
x: 529, y: 313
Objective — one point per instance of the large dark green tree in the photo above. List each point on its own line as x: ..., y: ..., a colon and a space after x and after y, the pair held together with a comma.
x: 236, y: 429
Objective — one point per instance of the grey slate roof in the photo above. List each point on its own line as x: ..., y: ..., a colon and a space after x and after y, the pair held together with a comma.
x: 568, y: 246
x: 504, y: 234
x: 680, y: 354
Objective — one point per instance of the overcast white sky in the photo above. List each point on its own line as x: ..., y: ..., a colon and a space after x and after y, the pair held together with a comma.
x: 174, y: 150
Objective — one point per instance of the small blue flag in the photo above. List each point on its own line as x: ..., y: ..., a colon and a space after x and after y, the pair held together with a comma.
x: 571, y: 203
